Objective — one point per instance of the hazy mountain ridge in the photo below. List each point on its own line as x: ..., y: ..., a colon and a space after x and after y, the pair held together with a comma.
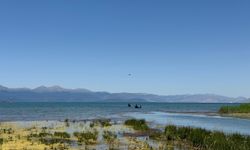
x: 59, y: 94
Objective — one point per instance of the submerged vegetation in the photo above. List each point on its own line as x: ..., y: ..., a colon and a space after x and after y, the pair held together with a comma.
x: 242, y: 108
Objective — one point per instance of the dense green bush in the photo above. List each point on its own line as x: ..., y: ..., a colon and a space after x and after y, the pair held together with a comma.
x: 137, y: 124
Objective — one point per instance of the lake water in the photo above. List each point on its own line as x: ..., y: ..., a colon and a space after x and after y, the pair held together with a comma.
x: 183, y: 114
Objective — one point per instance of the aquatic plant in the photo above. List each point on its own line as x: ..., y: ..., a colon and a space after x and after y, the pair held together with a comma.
x: 86, y: 137
x: 44, y: 134
x: 183, y: 132
x: 105, y: 122
x: 63, y: 135
x: 110, y: 138
x: 92, y: 124
x: 137, y: 124
x: 100, y: 122
x: 197, y: 136
x: 170, y: 132
x: 217, y: 141
x: 204, y: 139
x: 242, y: 108
x: 66, y: 121
x: 7, y: 131
x: 156, y: 134
x: 48, y: 138
x: 1, y: 141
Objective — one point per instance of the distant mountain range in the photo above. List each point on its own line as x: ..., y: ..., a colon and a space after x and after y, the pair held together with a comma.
x: 59, y: 94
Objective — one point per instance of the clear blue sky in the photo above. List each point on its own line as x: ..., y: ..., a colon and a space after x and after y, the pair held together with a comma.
x: 169, y: 47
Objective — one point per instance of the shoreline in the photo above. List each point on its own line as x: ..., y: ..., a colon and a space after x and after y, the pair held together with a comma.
x: 43, y: 135
x: 132, y: 134
x: 237, y: 115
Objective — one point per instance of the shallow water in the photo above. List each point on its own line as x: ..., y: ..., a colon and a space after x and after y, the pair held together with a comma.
x: 226, y: 124
x: 182, y: 114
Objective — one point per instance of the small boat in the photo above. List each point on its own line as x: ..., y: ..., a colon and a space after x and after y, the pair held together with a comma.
x: 137, y: 106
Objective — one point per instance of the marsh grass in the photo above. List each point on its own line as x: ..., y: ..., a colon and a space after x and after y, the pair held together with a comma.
x: 242, y: 108
x: 110, y: 138
x: 1, y: 141
x: 137, y: 124
x: 100, y: 122
x: 204, y: 139
x: 50, y: 139
x: 156, y: 135
x: 62, y: 135
x: 170, y: 132
x: 66, y: 121
x: 7, y: 131
x: 105, y: 122
x: 87, y: 137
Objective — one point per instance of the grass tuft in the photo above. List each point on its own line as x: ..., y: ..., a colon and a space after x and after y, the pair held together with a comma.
x: 137, y: 124
x: 87, y: 137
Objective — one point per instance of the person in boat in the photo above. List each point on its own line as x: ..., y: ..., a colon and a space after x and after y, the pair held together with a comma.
x: 137, y: 106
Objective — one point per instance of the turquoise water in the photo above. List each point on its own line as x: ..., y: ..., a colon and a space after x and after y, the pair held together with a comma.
x: 81, y: 111
x: 183, y: 114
